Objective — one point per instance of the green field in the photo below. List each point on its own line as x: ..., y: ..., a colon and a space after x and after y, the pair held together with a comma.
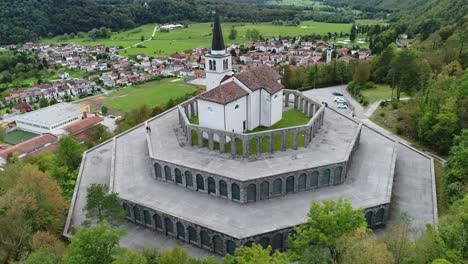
x: 199, y: 34
x: 381, y: 92
x: 154, y: 93
x: 17, y: 136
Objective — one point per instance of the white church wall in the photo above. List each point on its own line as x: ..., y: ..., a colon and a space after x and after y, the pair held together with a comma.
x: 276, y: 107
x: 265, y: 112
x: 254, y: 109
x: 211, y: 114
x: 236, y: 114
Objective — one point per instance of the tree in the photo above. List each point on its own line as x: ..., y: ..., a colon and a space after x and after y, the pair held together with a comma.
x: 2, y: 133
x: 398, y: 242
x: 44, y: 255
x: 361, y: 72
x: 53, y: 101
x: 130, y: 257
x: 69, y: 152
x: 104, y: 110
x: 325, y: 224
x: 43, y: 102
x: 255, y: 255
x: 360, y: 247
x: 102, y: 205
x: 142, y: 38
x: 95, y: 246
x: 456, y: 169
x: 352, y: 35
x: 233, y: 33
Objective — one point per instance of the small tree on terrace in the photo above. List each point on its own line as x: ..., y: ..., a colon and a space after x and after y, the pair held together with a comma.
x: 102, y: 205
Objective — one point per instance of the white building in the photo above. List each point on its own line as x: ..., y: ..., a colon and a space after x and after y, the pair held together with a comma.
x: 50, y: 119
x: 241, y: 102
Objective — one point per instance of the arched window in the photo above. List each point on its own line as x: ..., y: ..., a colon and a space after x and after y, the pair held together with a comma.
x: 211, y: 64
x: 337, y: 175
x: 265, y: 241
x: 302, y: 182
x: 230, y: 247
x: 147, y: 217
x: 188, y: 179
x: 235, y: 192
x: 192, y: 234
x: 211, y: 185
x: 379, y: 216
x: 167, y: 173
x: 180, y: 230
x: 157, y: 170
x: 200, y: 182
x: 158, y: 221
x: 218, y: 246
x: 290, y: 184
x: 277, y: 242
x: 314, y: 179
x: 205, y: 238
x: 214, y: 65
x: 325, y: 180
x: 251, y: 192
x: 127, y: 210
x: 136, y: 213
x: 277, y: 186
x: 168, y: 225
x: 264, y: 190
x: 222, y: 188
x: 178, y: 176
x: 368, y: 216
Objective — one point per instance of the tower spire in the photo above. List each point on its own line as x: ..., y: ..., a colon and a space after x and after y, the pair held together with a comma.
x: 218, y: 42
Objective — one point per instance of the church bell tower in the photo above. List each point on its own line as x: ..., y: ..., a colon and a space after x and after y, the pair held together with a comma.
x: 218, y: 63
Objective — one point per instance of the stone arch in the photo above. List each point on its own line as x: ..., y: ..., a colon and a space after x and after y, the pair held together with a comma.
x: 211, y: 185
x: 251, y: 192
x: 205, y: 239
x: 200, y: 182
x: 146, y: 217
x: 277, y: 186
x: 188, y: 179
x: 293, y: 97
x: 239, y: 146
x: 290, y: 184
x: 192, y: 234
x: 325, y: 179
x: 178, y: 176
x: 127, y: 209
x: 265, y: 144
x: 277, y: 141
x: 253, y: 146
x: 158, y: 170
x: 379, y: 216
x: 277, y: 242
x: 194, y: 137
x: 222, y: 188
x: 216, y: 141
x: 167, y: 173
x: 369, y: 215
x: 157, y: 221
x: 301, y: 139
x: 337, y: 175
x: 235, y: 192
x: 264, y: 190
x: 289, y: 140
x: 168, y: 226
x: 265, y: 241
x: 218, y: 247
x: 230, y: 247
x: 248, y: 243
x: 302, y: 182
x: 136, y: 213
x: 314, y: 178
x: 180, y: 231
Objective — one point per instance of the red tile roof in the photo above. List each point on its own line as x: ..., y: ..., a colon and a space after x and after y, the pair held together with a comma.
x: 261, y: 77
x: 29, y: 146
x: 224, y: 93
x: 83, y: 124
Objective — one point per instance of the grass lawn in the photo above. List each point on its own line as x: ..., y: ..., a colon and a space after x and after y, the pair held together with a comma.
x: 439, y: 174
x: 199, y: 34
x: 154, y: 93
x: 381, y: 92
x: 18, y: 136
x: 290, y: 118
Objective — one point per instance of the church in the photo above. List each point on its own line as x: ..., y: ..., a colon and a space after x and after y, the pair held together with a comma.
x: 241, y: 102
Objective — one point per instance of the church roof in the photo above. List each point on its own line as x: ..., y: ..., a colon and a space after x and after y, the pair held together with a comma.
x: 261, y: 77
x: 218, y: 41
x: 224, y: 94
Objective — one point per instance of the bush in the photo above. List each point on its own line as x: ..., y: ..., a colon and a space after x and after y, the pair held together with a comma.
x: 104, y: 110
x: 382, y: 114
x: 395, y: 105
x: 383, y: 103
x: 398, y: 129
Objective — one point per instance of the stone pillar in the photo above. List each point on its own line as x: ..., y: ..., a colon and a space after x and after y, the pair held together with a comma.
x: 189, y: 136
x: 233, y: 146
x: 286, y: 101
x: 306, y: 138
x: 259, y: 145
x: 295, y: 139
x: 192, y: 110
x: 283, y: 141
x: 210, y: 141
x: 200, y: 138
x: 222, y: 143
x: 186, y: 111
x: 313, y: 109
x: 271, y: 148
x: 245, y: 148
x: 296, y: 99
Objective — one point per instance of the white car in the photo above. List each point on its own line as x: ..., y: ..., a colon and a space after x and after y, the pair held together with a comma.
x: 337, y: 98
x: 342, y: 106
x: 341, y: 101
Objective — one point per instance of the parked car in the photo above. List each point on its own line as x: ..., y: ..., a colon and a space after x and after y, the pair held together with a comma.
x: 342, y: 106
x: 337, y: 98
x: 341, y: 101
x: 337, y: 94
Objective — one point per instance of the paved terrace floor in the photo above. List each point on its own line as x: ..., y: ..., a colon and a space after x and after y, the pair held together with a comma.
x: 328, y: 146
x: 367, y: 185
